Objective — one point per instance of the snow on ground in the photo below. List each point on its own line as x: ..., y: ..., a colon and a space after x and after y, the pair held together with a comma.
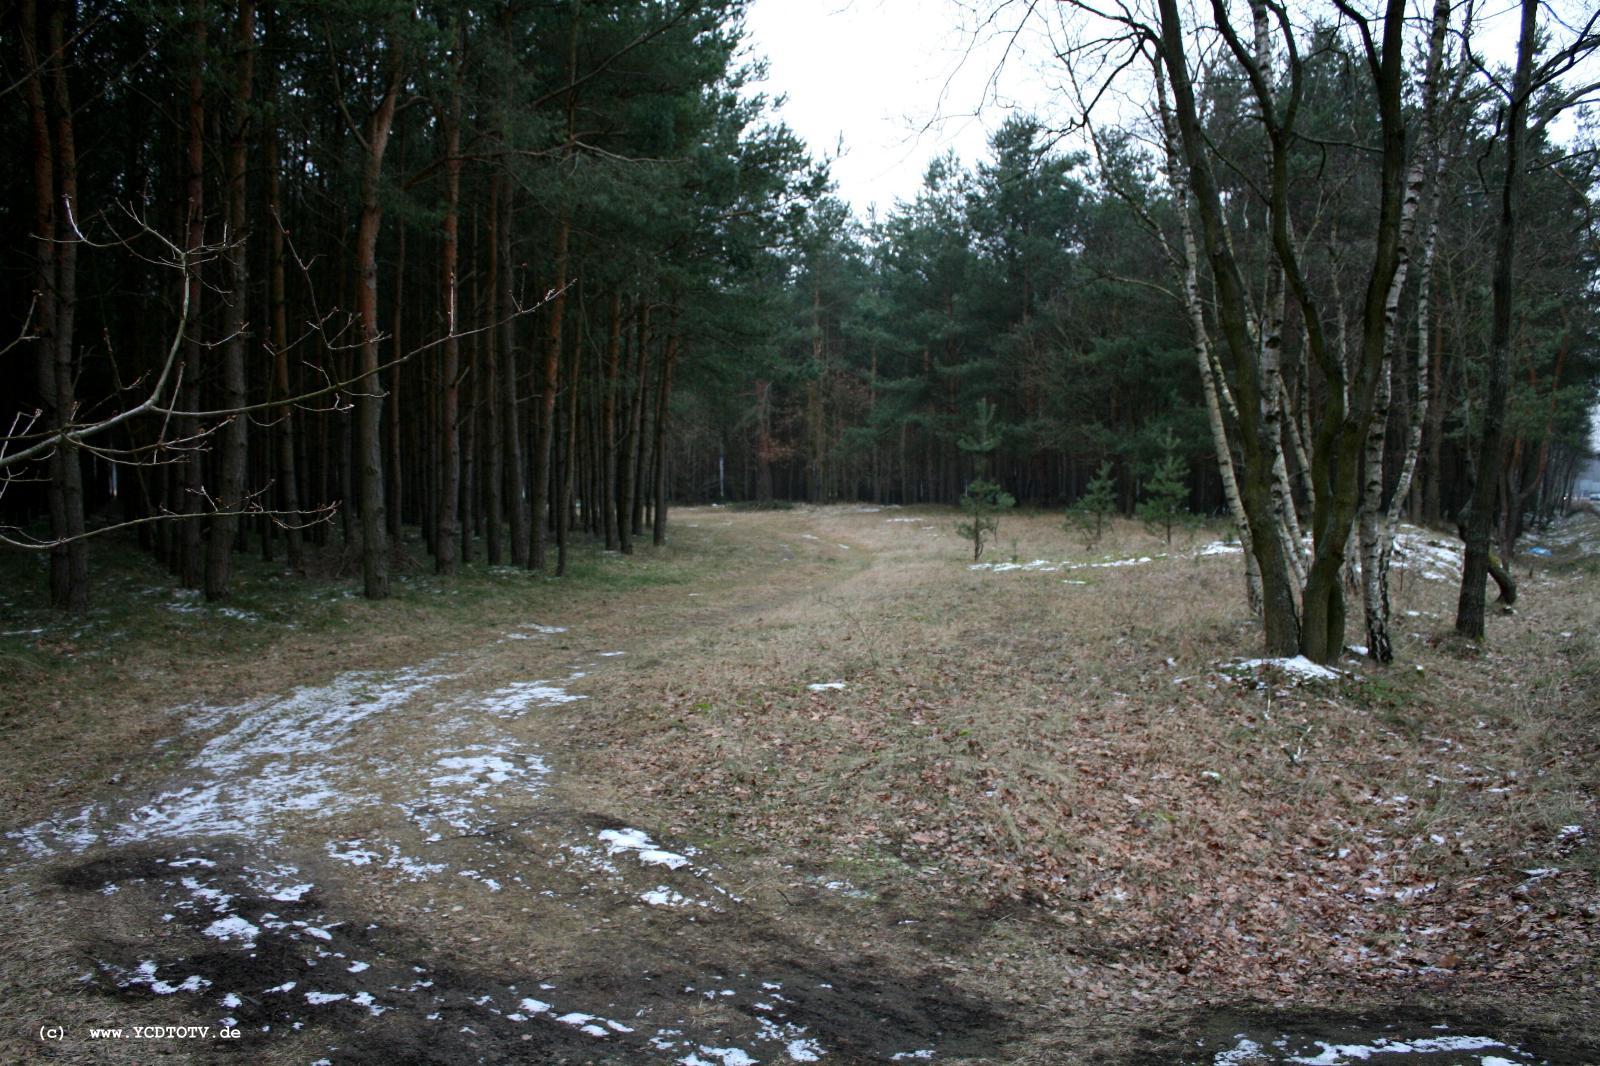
x: 1048, y: 567
x: 307, y: 755
x: 426, y: 804
x: 1297, y: 667
x: 824, y: 686
x: 1577, y: 530
x: 1443, y: 1047
x: 1044, y: 565
x: 1435, y: 556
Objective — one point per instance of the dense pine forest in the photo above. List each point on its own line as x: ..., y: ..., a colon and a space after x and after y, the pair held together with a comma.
x: 289, y: 275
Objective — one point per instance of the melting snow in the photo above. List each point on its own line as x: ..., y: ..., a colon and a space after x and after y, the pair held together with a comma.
x: 517, y: 698
x: 1439, y: 559
x: 1337, y: 1054
x: 233, y: 927
x: 1299, y: 666
x: 618, y: 841
x: 822, y: 686
x: 726, y: 1056
x: 146, y: 976
x: 1044, y: 565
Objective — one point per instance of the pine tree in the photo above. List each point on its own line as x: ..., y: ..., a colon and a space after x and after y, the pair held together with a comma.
x: 1089, y: 514
x: 1166, y: 492
x: 983, y: 503
x: 984, y: 499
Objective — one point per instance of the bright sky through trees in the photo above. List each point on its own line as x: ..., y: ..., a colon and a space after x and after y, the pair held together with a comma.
x: 897, y: 81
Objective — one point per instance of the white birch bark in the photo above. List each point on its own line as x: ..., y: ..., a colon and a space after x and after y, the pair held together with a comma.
x: 1213, y: 384
x: 1375, y: 524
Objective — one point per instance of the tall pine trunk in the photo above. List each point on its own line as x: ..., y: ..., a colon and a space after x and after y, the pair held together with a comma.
x: 55, y: 272
x: 516, y: 488
x: 447, y: 501
x: 663, y: 398
x: 374, y: 531
x: 287, y: 471
x: 608, y: 424
x: 191, y: 487
x: 235, y: 440
x: 549, y: 385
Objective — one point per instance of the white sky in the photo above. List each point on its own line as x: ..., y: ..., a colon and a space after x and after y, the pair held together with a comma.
x: 892, y: 79
x: 895, y: 83
x: 898, y: 82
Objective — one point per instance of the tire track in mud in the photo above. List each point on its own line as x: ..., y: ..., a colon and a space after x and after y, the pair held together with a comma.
x: 373, y: 869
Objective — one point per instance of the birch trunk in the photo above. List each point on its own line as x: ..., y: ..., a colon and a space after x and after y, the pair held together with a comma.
x: 1379, y: 516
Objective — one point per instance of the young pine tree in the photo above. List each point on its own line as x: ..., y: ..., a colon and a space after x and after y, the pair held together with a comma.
x: 984, y: 500
x: 1088, y: 516
x: 1166, y: 491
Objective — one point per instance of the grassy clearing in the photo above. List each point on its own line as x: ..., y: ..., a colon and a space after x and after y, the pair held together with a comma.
x: 1067, y: 758
x: 1039, y: 781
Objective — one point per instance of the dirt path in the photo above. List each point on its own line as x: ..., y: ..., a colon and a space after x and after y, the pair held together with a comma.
x: 400, y: 864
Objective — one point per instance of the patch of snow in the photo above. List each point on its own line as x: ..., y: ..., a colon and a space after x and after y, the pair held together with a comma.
x: 619, y: 841
x: 292, y: 894
x: 233, y: 927
x: 726, y: 1056
x: 146, y: 975
x: 663, y: 896
x: 1339, y: 1054
x: 517, y: 698
x: 317, y: 999
x: 1218, y: 547
x: 1437, y: 558
x: 1039, y: 565
x: 1298, y: 666
x: 1245, y: 1051
x: 912, y: 1056
x: 823, y: 686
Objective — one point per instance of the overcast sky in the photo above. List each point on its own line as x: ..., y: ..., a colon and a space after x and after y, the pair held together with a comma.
x: 894, y: 80
x: 895, y: 83
x: 899, y: 82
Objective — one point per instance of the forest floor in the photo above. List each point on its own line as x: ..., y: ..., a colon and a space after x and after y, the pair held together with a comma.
x: 802, y: 786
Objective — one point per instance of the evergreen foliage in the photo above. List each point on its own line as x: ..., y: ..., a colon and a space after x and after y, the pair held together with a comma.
x: 984, y: 500
x: 983, y: 503
x: 1088, y: 516
x: 1165, y: 491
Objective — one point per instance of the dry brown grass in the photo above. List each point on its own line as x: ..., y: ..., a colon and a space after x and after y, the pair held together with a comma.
x: 1041, y: 789
x: 1065, y: 757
